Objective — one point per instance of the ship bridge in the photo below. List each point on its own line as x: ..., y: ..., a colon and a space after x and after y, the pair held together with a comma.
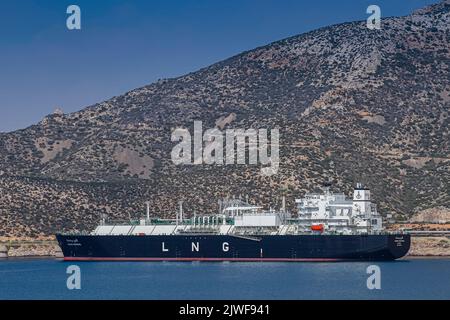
x: 335, y: 212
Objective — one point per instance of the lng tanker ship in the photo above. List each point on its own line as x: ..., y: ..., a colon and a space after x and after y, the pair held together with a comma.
x: 327, y: 227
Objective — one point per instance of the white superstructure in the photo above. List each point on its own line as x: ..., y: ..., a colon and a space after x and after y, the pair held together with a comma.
x: 317, y: 213
x: 335, y: 213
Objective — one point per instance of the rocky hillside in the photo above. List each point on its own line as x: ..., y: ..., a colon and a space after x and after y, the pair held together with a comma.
x: 432, y: 215
x: 351, y: 104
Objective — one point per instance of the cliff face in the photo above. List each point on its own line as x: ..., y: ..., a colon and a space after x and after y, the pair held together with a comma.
x: 350, y: 103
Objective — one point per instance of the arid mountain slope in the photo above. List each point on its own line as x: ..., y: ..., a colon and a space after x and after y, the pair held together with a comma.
x: 350, y: 103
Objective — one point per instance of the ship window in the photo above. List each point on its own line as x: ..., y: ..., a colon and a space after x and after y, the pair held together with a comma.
x: 374, y: 221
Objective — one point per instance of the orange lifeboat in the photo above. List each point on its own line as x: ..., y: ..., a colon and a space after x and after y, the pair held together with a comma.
x: 317, y: 227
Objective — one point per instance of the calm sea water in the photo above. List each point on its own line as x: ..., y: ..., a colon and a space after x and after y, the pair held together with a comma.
x: 46, y: 279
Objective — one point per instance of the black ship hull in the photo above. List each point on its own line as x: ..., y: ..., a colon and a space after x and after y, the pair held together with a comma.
x: 233, y: 247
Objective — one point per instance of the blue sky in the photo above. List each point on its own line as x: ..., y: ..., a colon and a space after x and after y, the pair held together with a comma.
x: 127, y: 44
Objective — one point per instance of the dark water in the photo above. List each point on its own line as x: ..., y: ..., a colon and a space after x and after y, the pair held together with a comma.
x: 46, y: 279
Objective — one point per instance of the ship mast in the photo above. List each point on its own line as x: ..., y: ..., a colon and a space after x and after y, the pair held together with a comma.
x: 180, y: 214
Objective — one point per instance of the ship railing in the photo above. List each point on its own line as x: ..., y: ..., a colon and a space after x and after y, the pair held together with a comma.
x: 78, y: 233
x: 159, y: 221
x: 241, y: 230
x: 122, y: 223
x: 198, y: 231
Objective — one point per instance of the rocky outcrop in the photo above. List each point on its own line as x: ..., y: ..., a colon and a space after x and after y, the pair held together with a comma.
x: 432, y: 215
